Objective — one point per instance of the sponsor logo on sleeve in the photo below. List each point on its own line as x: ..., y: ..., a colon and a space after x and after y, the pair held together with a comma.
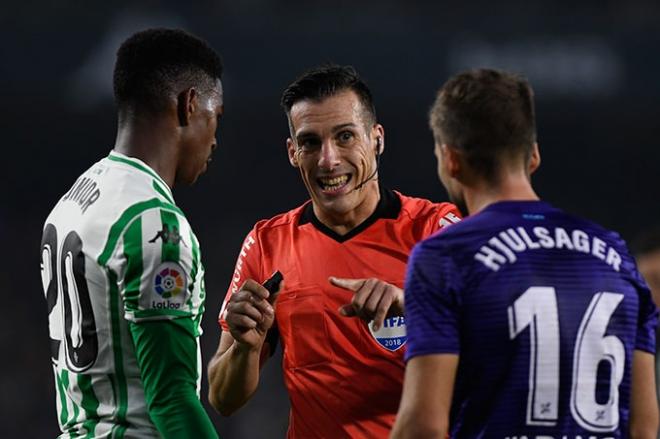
x: 169, y: 236
x: 392, y: 335
x: 168, y: 287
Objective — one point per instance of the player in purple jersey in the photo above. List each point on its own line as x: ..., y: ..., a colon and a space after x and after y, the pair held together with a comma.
x: 523, y: 321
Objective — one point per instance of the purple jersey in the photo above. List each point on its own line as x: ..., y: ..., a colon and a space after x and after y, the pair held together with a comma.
x: 544, y: 310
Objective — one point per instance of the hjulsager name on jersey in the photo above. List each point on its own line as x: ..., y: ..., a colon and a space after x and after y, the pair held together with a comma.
x: 502, y: 248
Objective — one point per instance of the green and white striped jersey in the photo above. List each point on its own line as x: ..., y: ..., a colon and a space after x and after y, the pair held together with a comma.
x: 116, y: 251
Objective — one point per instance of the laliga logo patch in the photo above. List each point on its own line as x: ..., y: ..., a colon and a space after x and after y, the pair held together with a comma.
x: 392, y: 335
x: 169, y: 284
x: 169, y: 281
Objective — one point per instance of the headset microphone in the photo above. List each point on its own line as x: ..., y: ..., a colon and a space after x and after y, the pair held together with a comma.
x: 373, y: 174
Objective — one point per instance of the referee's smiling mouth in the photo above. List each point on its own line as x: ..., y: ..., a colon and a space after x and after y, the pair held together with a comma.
x: 334, y: 184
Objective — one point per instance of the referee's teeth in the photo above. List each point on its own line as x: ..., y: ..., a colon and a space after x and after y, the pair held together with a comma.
x: 333, y: 183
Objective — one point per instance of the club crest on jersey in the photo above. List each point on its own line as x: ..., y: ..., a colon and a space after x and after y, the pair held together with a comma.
x: 392, y: 335
x: 169, y: 286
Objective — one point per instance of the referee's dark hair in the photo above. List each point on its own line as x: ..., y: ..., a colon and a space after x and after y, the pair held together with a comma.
x: 328, y: 80
x: 155, y: 65
x: 488, y: 115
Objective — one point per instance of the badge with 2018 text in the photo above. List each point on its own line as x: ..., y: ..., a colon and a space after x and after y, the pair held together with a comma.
x: 392, y: 335
x: 168, y: 287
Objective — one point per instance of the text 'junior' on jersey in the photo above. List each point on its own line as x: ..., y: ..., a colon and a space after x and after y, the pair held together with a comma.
x: 544, y: 310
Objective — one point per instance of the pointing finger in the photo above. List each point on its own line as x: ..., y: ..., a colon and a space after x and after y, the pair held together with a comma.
x: 347, y: 284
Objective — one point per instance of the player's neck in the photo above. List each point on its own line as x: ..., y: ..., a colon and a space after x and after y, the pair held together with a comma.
x: 514, y: 187
x: 343, y: 223
x: 152, y: 144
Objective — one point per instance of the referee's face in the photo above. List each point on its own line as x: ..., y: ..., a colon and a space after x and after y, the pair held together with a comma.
x: 335, y: 150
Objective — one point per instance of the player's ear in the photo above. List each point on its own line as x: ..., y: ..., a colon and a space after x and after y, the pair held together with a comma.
x: 453, y: 160
x: 292, y: 150
x: 534, y: 159
x: 186, y: 105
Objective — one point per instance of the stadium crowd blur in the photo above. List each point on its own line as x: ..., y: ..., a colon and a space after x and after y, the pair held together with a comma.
x: 593, y: 65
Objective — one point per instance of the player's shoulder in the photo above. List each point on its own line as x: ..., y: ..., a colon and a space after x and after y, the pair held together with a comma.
x: 421, y: 209
x: 544, y: 214
x: 468, y: 232
x: 111, y: 185
x: 136, y: 179
x: 476, y: 229
x: 598, y: 237
x: 611, y: 237
x: 132, y: 188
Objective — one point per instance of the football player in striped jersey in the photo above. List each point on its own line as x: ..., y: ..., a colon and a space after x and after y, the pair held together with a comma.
x: 120, y: 264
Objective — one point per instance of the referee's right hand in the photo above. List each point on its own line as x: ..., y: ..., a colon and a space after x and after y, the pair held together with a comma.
x: 250, y: 314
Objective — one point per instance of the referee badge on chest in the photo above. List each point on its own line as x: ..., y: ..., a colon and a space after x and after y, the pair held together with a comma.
x: 392, y: 335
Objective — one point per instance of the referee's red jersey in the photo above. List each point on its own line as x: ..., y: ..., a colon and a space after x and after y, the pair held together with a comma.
x: 343, y: 379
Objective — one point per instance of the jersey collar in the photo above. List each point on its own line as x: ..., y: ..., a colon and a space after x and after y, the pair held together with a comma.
x: 388, y: 207
x: 139, y: 164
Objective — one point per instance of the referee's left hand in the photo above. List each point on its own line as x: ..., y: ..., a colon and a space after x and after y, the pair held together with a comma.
x: 374, y: 300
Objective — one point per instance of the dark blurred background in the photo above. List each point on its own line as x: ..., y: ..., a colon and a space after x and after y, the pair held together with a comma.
x: 595, y: 66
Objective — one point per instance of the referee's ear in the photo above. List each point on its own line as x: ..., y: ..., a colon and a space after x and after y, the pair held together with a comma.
x: 292, y: 150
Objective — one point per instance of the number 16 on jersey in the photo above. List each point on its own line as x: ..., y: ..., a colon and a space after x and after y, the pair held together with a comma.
x: 537, y: 309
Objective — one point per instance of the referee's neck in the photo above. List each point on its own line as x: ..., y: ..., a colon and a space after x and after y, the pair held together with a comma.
x: 363, y: 203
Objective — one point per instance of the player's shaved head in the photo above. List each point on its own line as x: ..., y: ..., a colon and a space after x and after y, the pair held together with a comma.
x: 489, y: 116
x: 329, y: 80
x: 154, y: 65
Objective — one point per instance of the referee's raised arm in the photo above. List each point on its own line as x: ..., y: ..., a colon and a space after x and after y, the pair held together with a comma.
x: 234, y: 369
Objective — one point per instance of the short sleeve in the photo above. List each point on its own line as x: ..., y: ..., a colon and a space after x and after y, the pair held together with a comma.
x: 432, y: 301
x: 647, y: 320
x: 444, y: 215
x: 157, y: 259
x: 647, y: 317
x: 248, y: 266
